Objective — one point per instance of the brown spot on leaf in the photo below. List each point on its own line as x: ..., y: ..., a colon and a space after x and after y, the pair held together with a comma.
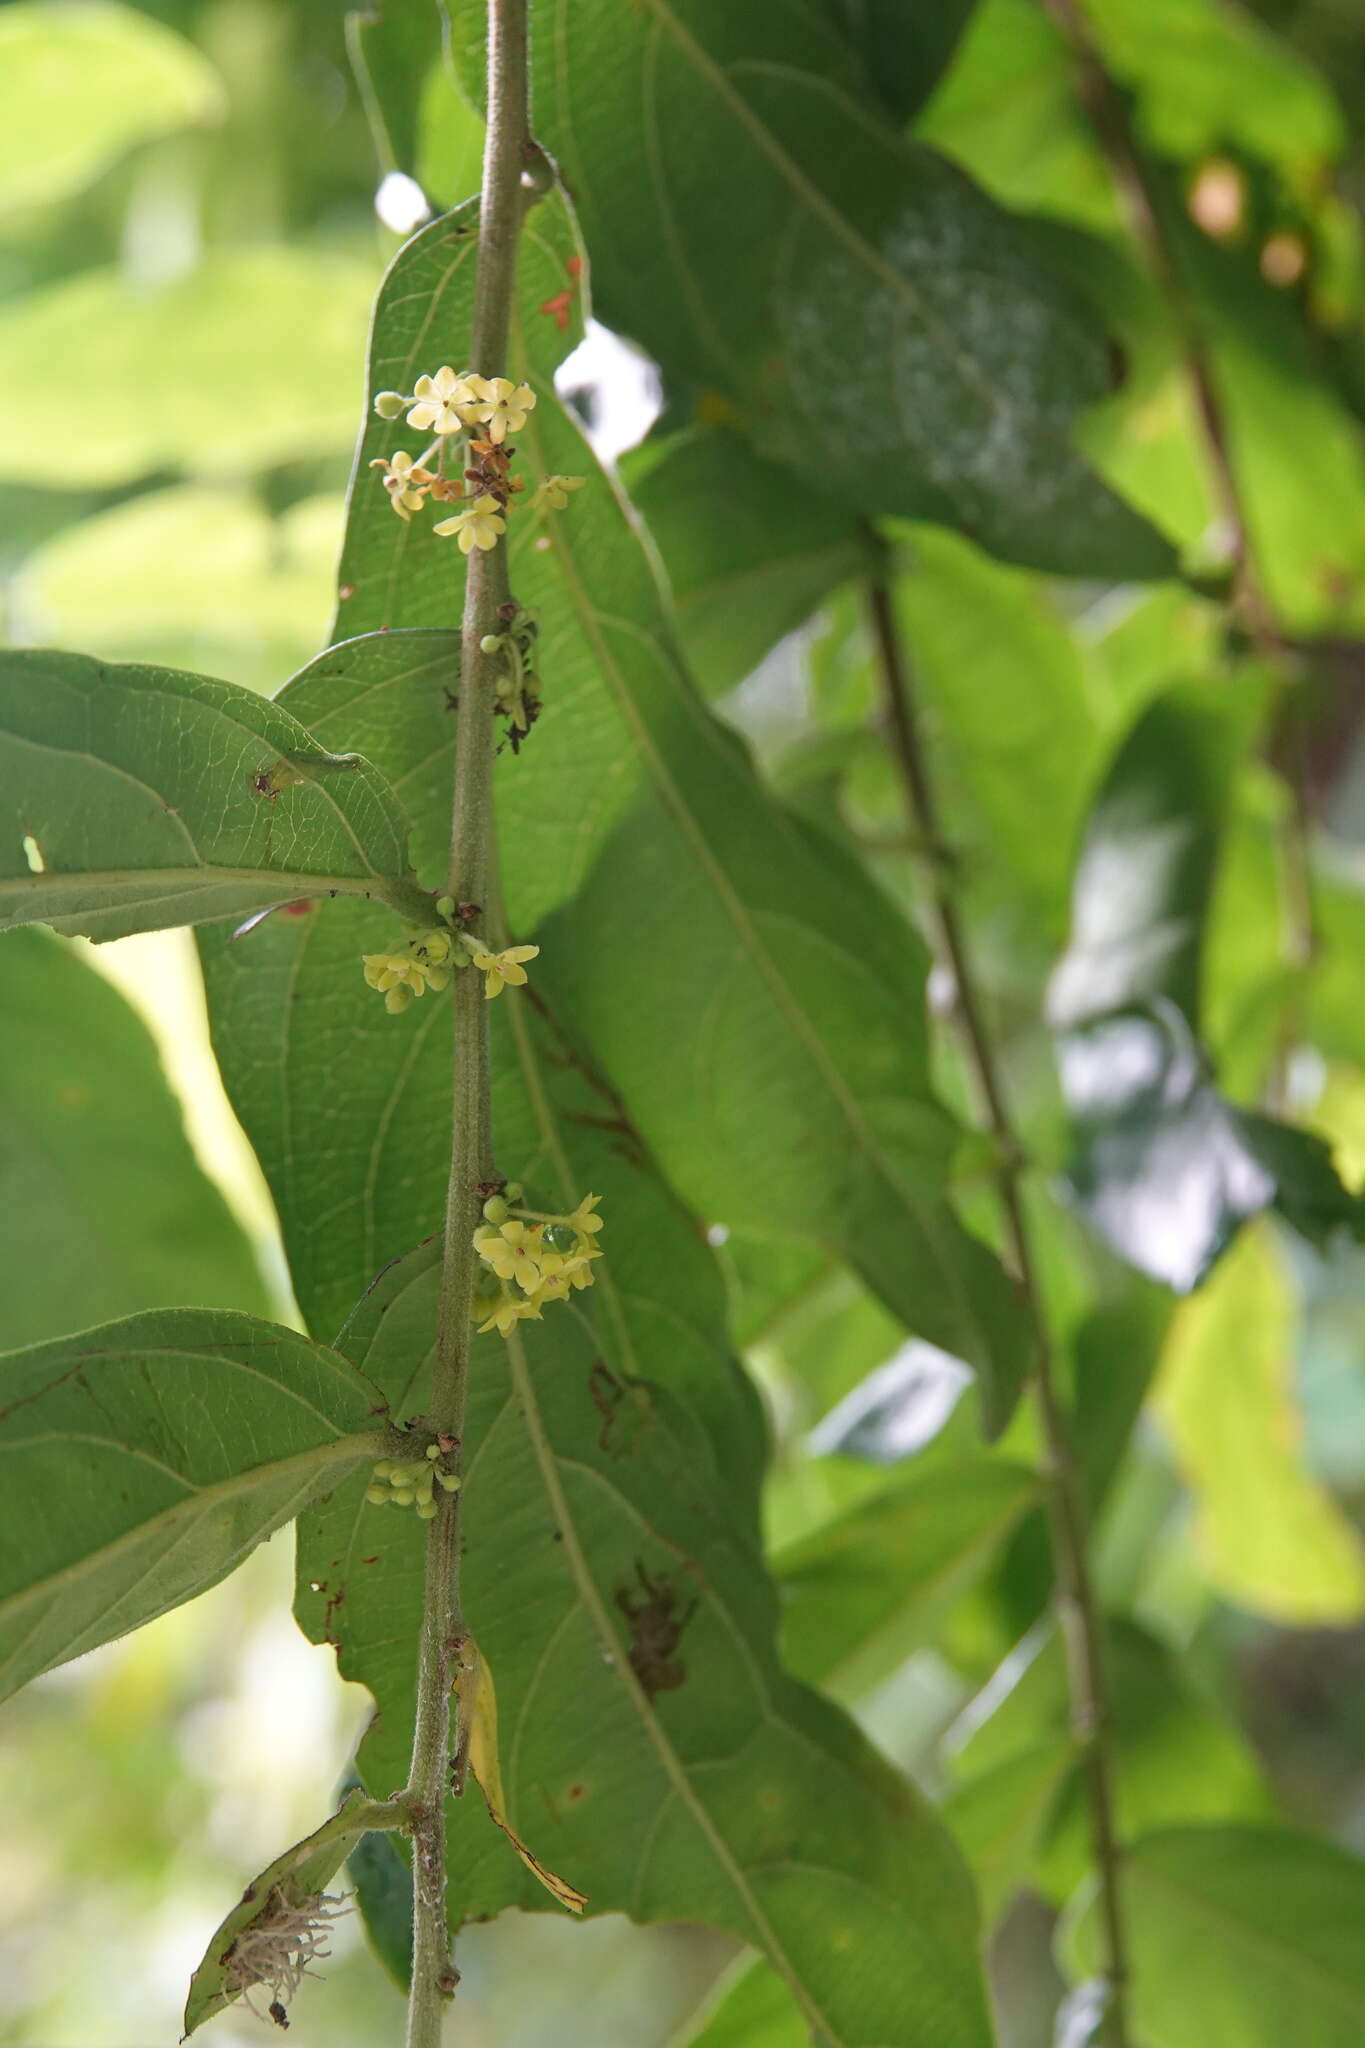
x: 656, y: 1628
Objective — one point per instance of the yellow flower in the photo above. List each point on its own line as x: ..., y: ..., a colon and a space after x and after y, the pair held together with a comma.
x: 386, y: 971
x: 498, y: 969
x: 442, y: 403
x: 507, y: 1313
x: 555, y: 1288
x: 478, y: 525
x: 553, y: 494
x: 513, y: 1251
x: 405, y: 481
x: 583, y: 1220
x: 500, y: 405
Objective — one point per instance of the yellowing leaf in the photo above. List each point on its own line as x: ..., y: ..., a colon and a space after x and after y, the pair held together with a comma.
x: 1272, y: 1537
x: 479, y: 1714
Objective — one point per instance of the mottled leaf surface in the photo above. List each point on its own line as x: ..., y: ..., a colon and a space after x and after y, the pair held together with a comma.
x: 970, y: 360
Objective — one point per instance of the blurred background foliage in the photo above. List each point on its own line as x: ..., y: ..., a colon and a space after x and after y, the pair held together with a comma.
x: 192, y: 228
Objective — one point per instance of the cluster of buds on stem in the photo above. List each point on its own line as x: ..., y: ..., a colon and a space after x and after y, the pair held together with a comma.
x: 428, y: 958
x: 529, y: 1257
x: 485, y: 410
x: 412, y: 1482
x: 517, y: 696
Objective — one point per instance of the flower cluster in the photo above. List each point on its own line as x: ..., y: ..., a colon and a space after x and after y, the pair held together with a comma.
x: 486, y: 410
x: 427, y: 959
x: 517, y: 692
x: 530, y: 1258
x: 411, y: 1483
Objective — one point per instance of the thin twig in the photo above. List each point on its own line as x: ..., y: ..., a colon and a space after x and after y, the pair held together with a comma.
x: 1145, y: 206
x: 506, y: 153
x: 1077, y: 1611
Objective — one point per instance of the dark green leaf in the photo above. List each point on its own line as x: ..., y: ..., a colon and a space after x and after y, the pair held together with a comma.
x: 107, y: 1211
x: 383, y: 1897
x: 652, y: 1750
x: 906, y: 49
x: 135, y: 798
x: 1243, y: 1937
x: 775, y: 191
x: 145, y: 1459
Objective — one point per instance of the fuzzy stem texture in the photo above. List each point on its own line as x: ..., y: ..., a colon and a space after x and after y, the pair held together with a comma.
x: 506, y: 153
x: 1077, y: 1610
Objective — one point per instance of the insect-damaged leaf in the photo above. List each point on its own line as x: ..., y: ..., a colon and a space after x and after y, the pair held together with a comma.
x: 145, y: 1459
x: 865, y: 312
x: 1163, y: 1166
x: 253, y: 1947
x: 651, y: 1746
x: 135, y: 798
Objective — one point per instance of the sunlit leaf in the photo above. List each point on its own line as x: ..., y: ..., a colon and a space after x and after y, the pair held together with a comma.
x: 107, y: 1211
x: 81, y: 84
x: 145, y: 1459
x: 194, y: 576
x: 1270, y: 1535
x: 262, y: 368
x: 864, y: 1590
x: 1241, y: 1938
x: 137, y: 798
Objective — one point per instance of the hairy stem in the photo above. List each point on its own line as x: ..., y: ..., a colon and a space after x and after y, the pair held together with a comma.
x: 1145, y: 205
x: 1077, y: 1612
x: 506, y: 152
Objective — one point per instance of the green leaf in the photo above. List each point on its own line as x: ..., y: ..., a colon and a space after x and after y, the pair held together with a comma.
x: 383, y: 1897
x: 392, y: 46
x: 1213, y: 78
x: 1000, y: 1816
x: 284, y: 1890
x: 905, y: 49
x: 1241, y: 1938
x: 145, y: 1459
x: 771, y: 188
x: 862, y: 1591
x: 741, y: 581
x: 801, y: 1101
x: 1270, y: 1536
x: 1176, y: 1759
x: 1163, y: 1167
x: 81, y: 84
x: 263, y: 368
x: 107, y: 1211
x: 653, y: 1751
x: 813, y: 1115
x: 756, y: 2010
x: 136, y: 798
x: 195, y: 576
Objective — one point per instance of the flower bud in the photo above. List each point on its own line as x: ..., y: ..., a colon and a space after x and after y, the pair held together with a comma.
x: 426, y: 1509
x: 514, y: 1192
x: 389, y: 404
x: 495, y: 1209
